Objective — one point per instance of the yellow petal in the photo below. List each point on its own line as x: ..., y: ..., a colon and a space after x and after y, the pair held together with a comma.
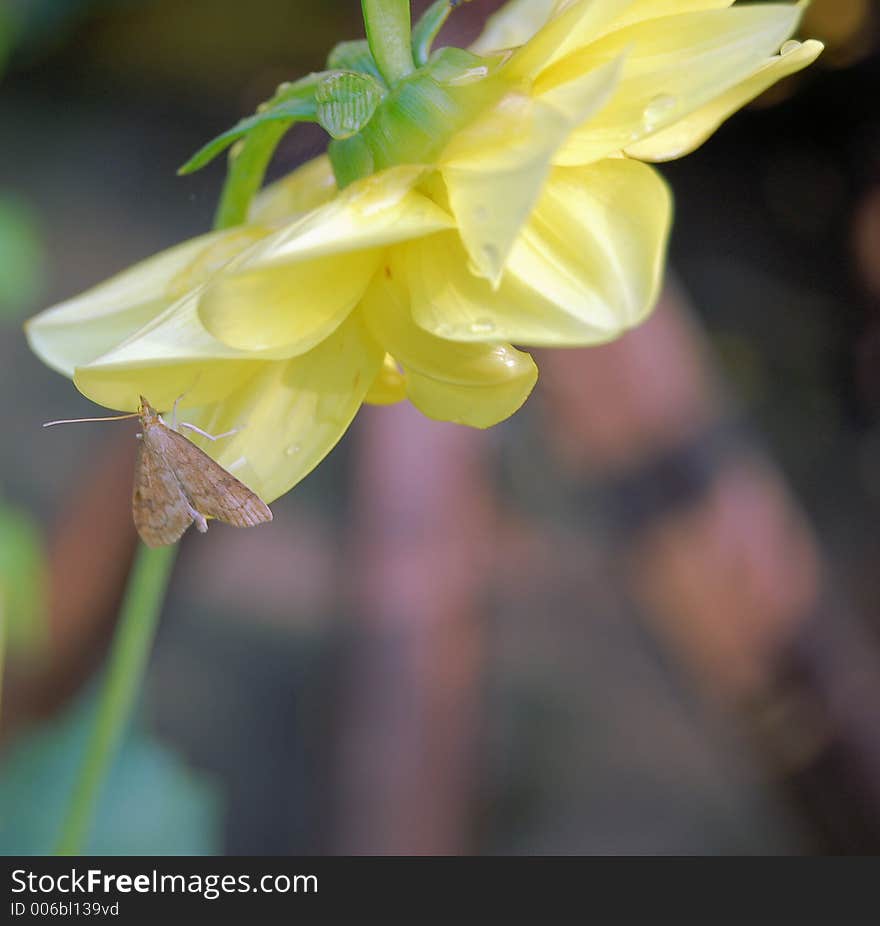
x: 306, y: 188
x: 596, y: 242
x: 673, y: 67
x: 163, y: 382
x: 389, y: 387
x: 372, y: 212
x: 494, y: 169
x: 689, y: 133
x: 474, y: 384
x: 577, y: 23
x: 171, y: 356
x: 494, y: 172
x: 74, y: 332
x: 514, y: 24
x: 587, y: 265
x: 653, y: 9
x: 214, y: 259
x: 290, y: 291
x: 585, y: 19
x: 453, y: 303
x: 285, y: 311
x: 586, y: 93
x: 292, y: 412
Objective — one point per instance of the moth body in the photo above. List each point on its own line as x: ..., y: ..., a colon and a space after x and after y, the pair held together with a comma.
x: 177, y: 484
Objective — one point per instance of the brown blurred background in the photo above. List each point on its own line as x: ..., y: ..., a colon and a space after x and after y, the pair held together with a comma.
x: 641, y: 617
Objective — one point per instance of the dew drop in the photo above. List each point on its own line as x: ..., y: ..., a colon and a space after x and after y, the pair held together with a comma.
x: 468, y: 76
x: 482, y: 326
x: 658, y: 109
x: 293, y: 450
x: 491, y: 255
x: 790, y: 46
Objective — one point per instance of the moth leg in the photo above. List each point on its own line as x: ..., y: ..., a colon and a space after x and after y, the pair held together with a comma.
x: 174, y: 411
x: 199, y: 518
x: 177, y: 402
x: 192, y: 427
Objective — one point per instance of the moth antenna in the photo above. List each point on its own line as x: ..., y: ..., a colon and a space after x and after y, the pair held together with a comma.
x: 51, y: 424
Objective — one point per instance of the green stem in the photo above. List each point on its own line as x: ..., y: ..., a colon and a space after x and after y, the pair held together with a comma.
x: 247, y: 168
x: 389, y: 28
x: 428, y: 28
x: 124, y: 675
x: 145, y: 593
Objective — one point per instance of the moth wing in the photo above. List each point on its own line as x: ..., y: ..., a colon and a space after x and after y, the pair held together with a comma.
x: 161, y: 510
x: 212, y: 490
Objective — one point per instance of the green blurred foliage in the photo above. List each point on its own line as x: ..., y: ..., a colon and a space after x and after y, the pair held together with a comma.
x: 38, y: 24
x: 22, y: 563
x: 151, y: 803
x: 22, y: 258
x: 22, y: 581
x: 21, y: 253
x: 6, y: 36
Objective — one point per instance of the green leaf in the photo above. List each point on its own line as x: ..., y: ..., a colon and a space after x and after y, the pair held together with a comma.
x: 22, y: 259
x: 456, y: 66
x: 152, y: 804
x: 428, y: 28
x: 289, y: 112
x: 354, y: 56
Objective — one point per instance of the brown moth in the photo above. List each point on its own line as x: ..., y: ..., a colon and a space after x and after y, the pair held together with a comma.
x: 176, y: 483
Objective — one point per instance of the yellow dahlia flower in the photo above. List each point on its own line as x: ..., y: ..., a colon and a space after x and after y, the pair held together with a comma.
x: 487, y: 198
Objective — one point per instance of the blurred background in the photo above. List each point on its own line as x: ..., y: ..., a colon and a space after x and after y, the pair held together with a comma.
x: 641, y: 617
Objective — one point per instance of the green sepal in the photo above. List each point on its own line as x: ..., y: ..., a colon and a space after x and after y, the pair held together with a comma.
x: 417, y: 117
x: 291, y: 104
x: 428, y: 28
x: 455, y: 67
x: 354, y: 56
x: 351, y: 159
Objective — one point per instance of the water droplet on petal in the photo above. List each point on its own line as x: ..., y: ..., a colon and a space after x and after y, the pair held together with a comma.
x: 658, y: 109
x: 468, y: 76
x: 790, y: 46
x: 345, y: 103
x: 293, y: 450
x: 482, y: 326
x: 491, y: 255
